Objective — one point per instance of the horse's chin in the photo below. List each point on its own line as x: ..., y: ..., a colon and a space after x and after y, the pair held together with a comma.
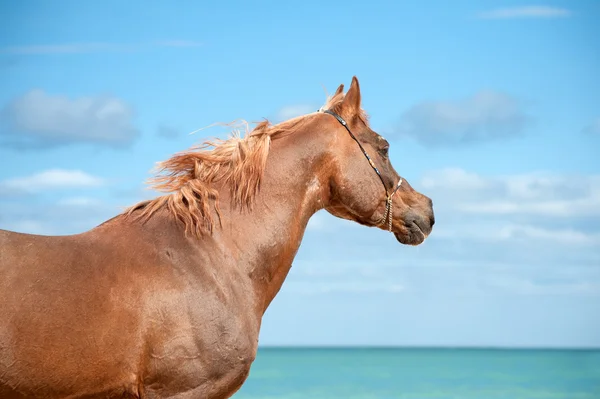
x: 411, y: 235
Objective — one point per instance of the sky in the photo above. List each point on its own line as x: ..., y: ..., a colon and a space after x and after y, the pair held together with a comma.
x: 492, y: 109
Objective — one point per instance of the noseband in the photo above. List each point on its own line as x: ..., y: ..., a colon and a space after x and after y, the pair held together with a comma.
x: 387, y: 217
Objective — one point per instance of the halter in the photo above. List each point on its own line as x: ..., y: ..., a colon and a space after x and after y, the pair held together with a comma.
x: 387, y: 216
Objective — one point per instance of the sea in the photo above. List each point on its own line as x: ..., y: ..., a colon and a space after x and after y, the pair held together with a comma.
x: 382, y: 373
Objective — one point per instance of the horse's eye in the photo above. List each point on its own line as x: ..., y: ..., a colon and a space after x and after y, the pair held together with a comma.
x: 384, y: 151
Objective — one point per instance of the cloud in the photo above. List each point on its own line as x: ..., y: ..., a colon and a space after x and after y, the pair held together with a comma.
x: 563, y: 208
x: 344, y: 276
x: 79, y: 201
x: 529, y: 212
x: 498, y: 232
x: 485, y: 116
x: 520, y: 286
x: 292, y: 111
x: 51, y: 179
x: 316, y: 222
x: 57, y: 202
x: 168, y: 132
x: 8, y: 192
x: 525, y: 12
x: 82, y: 48
x: 324, y: 222
x: 441, y: 277
x: 542, y: 194
x: 28, y: 227
x: 593, y: 128
x: 351, y: 286
x: 566, y: 236
x: 67, y: 216
x: 454, y: 177
x: 37, y: 119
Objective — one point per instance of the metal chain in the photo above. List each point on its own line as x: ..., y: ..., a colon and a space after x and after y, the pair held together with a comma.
x: 389, y: 212
x: 388, y: 216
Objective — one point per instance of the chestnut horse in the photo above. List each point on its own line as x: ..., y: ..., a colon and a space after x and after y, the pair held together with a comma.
x: 166, y: 299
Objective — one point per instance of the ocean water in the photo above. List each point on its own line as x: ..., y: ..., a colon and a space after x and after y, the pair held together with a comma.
x: 353, y: 373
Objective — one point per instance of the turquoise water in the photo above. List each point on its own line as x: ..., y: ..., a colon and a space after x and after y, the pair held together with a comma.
x: 290, y: 373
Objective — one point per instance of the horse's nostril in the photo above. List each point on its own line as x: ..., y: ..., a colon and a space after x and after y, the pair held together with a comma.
x: 423, y: 223
x: 432, y: 220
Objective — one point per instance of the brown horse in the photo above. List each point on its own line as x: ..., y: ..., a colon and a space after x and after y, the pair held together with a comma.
x: 166, y: 299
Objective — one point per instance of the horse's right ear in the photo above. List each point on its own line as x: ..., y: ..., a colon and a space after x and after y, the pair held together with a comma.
x: 352, y: 99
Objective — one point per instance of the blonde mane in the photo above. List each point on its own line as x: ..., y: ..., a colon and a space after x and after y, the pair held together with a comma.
x: 190, y: 177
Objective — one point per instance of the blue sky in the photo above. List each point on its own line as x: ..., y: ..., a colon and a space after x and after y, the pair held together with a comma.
x: 492, y: 108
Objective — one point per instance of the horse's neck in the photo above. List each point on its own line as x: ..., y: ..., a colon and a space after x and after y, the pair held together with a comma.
x: 268, y: 237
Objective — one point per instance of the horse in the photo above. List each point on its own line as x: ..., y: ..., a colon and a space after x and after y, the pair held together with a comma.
x: 165, y: 300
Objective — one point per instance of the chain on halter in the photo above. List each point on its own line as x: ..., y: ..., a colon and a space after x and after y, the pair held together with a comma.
x: 387, y: 216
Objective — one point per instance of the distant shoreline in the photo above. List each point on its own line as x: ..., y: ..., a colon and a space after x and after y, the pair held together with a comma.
x: 450, y: 348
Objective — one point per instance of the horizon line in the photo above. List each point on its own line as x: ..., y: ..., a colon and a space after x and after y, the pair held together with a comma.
x: 445, y: 347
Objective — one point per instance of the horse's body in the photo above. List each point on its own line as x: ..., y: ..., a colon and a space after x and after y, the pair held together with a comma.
x: 112, y: 310
x: 159, y: 302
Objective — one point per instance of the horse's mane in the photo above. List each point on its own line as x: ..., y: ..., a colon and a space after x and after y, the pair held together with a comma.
x: 239, y: 162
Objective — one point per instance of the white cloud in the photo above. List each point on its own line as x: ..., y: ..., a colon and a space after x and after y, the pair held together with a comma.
x: 518, y: 285
x: 52, y: 179
x: 508, y: 232
x: 79, y: 201
x: 583, y: 207
x: 487, y: 115
x: 442, y: 277
x: 70, y: 215
x: 99, y: 47
x: 28, y: 227
x: 39, y: 119
x: 292, y: 111
x: 526, y: 12
x: 348, y: 286
x: 323, y: 221
x: 532, y: 212
x: 316, y: 222
x: 542, y: 194
x: 566, y: 236
x: 454, y: 178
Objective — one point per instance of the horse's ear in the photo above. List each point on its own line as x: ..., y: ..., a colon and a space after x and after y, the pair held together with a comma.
x: 339, y: 90
x: 352, y: 100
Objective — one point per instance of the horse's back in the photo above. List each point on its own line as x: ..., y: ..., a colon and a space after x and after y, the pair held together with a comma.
x: 20, y: 251
x: 28, y: 260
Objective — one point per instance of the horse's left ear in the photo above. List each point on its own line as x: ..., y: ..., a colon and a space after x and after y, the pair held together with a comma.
x: 339, y: 90
x: 352, y: 100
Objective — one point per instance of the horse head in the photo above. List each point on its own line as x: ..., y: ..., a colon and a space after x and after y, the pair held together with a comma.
x: 364, y: 186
